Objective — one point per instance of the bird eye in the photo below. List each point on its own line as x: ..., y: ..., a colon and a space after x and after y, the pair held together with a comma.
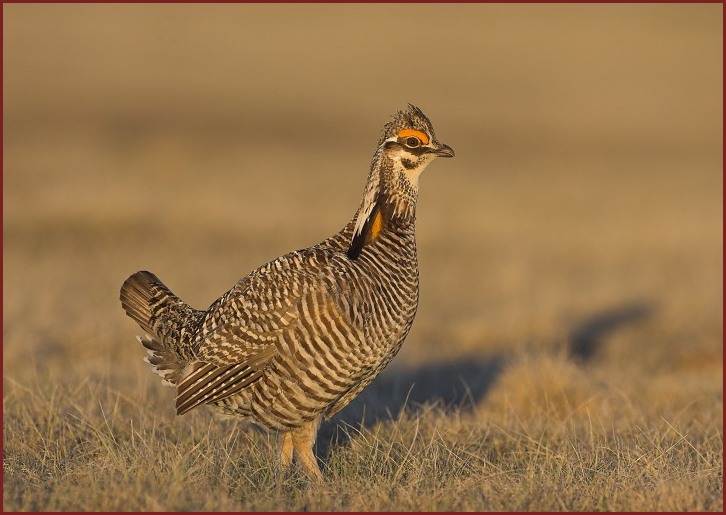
x: 412, y: 142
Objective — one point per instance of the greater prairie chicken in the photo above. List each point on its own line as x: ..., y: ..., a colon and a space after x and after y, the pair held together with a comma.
x: 297, y: 339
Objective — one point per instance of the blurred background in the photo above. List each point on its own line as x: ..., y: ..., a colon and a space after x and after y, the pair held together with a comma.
x: 583, y: 213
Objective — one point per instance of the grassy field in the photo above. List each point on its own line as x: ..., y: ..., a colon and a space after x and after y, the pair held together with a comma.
x: 567, y: 353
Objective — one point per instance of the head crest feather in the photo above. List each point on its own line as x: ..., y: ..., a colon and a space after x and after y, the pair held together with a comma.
x: 410, y: 118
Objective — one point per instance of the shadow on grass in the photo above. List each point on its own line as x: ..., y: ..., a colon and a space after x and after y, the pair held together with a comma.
x: 462, y: 383
x: 588, y: 337
x: 459, y: 384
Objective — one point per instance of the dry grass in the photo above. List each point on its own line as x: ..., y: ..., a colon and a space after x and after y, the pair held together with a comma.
x: 567, y: 354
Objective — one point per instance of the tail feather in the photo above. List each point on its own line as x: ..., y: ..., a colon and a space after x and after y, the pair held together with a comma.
x: 168, y: 321
x: 164, y: 363
x: 144, y: 298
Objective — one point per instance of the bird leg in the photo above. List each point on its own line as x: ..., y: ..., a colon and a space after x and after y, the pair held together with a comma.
x: 286, y: 449
x: 303, y: 439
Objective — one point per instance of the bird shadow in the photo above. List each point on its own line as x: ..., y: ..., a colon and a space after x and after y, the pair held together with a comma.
x: 460, y: 384
x: 589, y: 336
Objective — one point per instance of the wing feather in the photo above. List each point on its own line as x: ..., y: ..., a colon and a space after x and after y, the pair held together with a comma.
x: 241, y: 331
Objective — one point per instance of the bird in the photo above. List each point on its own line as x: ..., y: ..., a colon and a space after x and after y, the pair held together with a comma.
x: 294, y: 341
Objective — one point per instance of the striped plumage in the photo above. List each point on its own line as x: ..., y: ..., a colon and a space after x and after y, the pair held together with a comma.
x: 297, y: 339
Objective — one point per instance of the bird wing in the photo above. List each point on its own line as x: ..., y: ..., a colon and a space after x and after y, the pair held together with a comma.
x: 239, y: 334
x: 205, y: 383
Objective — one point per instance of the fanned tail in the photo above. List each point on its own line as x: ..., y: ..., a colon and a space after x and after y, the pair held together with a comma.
x: 168, y: 321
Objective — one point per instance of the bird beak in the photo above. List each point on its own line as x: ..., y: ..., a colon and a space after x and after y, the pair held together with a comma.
x: 443, y: 150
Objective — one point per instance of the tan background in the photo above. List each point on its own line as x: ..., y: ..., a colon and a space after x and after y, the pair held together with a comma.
x: 200, y: 141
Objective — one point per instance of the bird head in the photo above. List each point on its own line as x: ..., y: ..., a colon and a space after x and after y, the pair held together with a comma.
x: 407, y: 146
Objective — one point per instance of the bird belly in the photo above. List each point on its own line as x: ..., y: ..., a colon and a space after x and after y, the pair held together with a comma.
x: 317, y: 376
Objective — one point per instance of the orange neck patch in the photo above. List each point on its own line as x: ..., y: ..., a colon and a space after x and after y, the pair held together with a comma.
x: 417, y: 134
x: 376, y: 227
x: 371, y: 231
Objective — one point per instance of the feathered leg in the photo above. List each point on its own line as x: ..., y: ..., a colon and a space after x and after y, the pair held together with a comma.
x: 303, y: 439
